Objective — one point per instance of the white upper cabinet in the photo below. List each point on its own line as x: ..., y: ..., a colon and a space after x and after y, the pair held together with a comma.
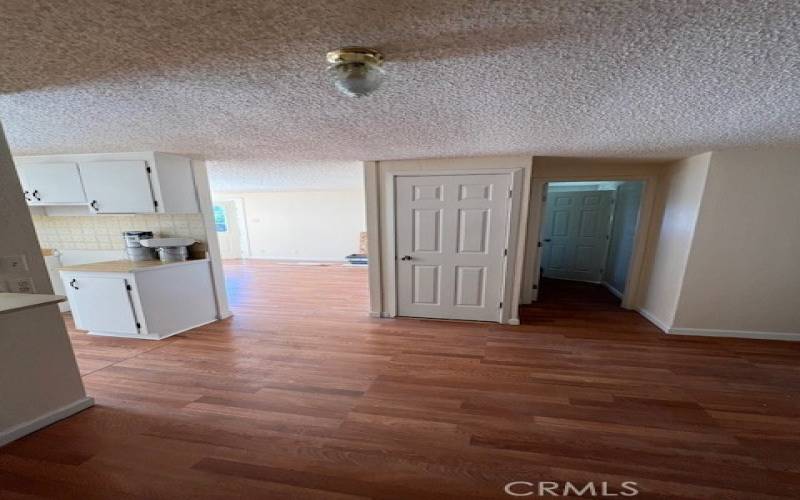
x: 118, y: 186
x: 52, y: 183
x: 114, y: 183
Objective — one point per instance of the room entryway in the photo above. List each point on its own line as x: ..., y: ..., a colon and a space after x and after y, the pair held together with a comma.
x: 231, y: 231
x: 587, y: 235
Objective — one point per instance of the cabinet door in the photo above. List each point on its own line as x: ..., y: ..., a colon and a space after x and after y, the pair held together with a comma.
x: 118, y: 187
x: 47, y: 183
x: 101, y: 304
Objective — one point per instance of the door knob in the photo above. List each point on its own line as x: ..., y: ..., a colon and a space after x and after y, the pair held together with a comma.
x: 405, y: 257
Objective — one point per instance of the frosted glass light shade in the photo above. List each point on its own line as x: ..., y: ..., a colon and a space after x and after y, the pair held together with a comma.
x: 356, y: 79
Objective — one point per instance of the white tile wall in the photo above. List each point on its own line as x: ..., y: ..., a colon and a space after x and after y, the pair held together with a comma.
x: 104, y: 232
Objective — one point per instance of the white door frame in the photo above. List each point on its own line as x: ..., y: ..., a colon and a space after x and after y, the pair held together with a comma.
x: 533, y: 251
x: 515, y: 235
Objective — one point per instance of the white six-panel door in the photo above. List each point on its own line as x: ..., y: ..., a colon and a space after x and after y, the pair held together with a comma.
x: 451, y: 234
x: 575, y: 235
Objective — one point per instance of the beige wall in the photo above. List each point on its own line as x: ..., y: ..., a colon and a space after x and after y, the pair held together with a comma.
x: 105, y: 232
x: 303, y: 225
x: 39, y: 379
x: 680, y: 195
x: 743, y: 272
x: 17, y: 234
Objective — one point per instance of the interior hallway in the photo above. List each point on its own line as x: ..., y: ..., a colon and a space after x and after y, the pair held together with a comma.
x: 301, y: 392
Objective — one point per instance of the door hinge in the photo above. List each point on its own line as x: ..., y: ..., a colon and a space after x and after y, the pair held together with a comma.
x: 510, y: 193
x: 505, y: 251
x: 539, y: 244
x: 149, y: 171
x: 535, y: 287
x: 128, y: 287
x: 138, y: 326
x: 500, y: 306
x: 155, y: 203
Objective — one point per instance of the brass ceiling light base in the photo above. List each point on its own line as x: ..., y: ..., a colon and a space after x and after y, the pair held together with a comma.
x: 355, y: 55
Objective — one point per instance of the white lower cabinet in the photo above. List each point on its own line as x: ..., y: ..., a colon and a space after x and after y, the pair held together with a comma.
x: 152, y: 302
x: 103, y: 303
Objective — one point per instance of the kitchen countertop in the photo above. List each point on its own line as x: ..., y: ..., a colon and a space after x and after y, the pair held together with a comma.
x: 11, y: 302
x: 127, y: 266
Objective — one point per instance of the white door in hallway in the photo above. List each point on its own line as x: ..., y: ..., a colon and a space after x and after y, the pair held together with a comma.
x: 226, y: 221
x: 451, y: 234
x: 575, y: 234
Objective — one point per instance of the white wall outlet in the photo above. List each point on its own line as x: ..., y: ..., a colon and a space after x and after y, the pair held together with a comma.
x: 13, y: 263
x: 22, y: 285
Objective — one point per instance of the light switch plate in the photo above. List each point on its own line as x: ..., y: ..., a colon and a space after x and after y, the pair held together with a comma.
x: 13, y: 263
x: 22, y: 285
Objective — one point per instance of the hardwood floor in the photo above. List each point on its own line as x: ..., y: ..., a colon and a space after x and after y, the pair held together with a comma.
x: 301, y: 395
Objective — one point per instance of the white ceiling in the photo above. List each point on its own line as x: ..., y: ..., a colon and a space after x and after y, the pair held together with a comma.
x: 266, y: 175
x: 242, y: 81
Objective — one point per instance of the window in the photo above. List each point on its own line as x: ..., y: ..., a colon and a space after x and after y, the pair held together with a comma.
x: 220, y: 222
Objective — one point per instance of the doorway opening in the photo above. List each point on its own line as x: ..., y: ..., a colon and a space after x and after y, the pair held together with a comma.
x: 231, y: 226
x: 587, y: 238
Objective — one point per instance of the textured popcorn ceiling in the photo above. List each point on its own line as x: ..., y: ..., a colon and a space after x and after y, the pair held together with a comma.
x: 266, y: 175
x: 242, y: 82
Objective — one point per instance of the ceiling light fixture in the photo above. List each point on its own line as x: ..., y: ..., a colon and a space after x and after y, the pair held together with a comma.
x: 356, y: 71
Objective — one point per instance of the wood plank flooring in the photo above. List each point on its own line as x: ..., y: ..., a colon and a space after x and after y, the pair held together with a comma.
x: 301, y: 395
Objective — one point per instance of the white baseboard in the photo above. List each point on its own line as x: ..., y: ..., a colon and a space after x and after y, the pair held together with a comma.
x: 708, y: 332
x: 34, y: 425
x: 611, y: 289
x: 513, y: 321
x: 151, y: 336
x: 653, y: 319
x: 738, y: 334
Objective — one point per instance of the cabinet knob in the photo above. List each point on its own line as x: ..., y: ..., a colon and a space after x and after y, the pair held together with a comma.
x: 405, y: 257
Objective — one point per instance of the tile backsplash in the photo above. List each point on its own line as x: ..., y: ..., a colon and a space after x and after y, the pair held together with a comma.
x: 104, y: 232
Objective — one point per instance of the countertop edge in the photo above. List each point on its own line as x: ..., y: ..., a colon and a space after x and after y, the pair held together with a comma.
x: 27, y: 301
x: 82, y: 268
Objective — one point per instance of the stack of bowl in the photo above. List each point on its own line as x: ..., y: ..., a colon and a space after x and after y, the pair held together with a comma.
x: 134, y: 248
